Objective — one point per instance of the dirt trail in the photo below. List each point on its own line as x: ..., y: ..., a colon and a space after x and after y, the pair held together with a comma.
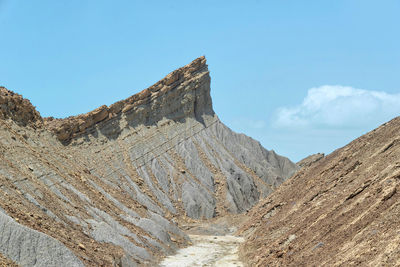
x: 214, y: 244
x: 207, y: 250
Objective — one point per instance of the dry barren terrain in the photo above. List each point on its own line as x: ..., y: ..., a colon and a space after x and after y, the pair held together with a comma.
x: 343, y: 210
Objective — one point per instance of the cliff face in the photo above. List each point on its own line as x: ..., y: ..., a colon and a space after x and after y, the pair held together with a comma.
x: 113, y: 185
x: 184, y: 93
x: 342, y: 210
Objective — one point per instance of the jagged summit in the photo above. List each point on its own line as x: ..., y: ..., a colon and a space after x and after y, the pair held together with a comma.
x: 184, y: 92
x: 13, y: 106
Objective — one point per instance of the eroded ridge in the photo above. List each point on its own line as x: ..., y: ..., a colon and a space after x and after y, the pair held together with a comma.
x: 180, y: 94
x: 113, y: 186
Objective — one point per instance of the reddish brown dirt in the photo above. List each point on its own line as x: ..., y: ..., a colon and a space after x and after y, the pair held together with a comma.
x: 341, y: 211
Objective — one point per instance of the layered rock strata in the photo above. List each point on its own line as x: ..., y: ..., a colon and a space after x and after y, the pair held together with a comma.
x: 343, y: 210
x: 114, y: 184
x: 181, y: 94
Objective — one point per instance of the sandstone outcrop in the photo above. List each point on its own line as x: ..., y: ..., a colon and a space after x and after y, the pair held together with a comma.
x: 342, y: 210
x: 113, y: 185
x: 14, y: 107
x: 172, y: 97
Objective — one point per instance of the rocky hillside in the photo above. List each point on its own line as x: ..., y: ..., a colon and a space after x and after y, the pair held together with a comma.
x: 112, y: 187
x: 343, y: 210
x: 308, y: 161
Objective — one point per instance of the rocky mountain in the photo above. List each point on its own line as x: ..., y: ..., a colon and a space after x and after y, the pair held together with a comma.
x: 111, y: 187
x: 343, y: 210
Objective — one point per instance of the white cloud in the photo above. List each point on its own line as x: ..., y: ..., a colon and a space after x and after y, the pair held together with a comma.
x: 339, y: 107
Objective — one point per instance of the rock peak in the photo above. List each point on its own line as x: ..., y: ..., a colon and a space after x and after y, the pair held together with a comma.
x: 13, y: 106
x: 183, y: 93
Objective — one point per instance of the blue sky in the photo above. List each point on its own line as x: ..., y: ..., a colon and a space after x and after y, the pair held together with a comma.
x: 300, y: 76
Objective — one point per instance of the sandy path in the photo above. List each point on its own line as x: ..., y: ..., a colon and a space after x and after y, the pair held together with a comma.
x: 207, y: 250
